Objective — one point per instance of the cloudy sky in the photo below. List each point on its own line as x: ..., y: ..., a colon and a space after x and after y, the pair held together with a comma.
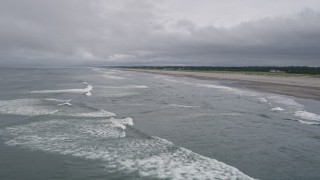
x: 159, y: 32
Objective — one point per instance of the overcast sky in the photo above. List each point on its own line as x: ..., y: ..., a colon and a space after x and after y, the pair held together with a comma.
x: 159, y: 32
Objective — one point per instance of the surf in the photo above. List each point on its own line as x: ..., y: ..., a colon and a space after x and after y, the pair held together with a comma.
x: 86, y: 91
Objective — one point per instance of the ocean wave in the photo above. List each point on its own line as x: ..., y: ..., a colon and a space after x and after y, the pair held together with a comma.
x: 183, y: 106
x: 230, y: 90
x: 120, y: 94
x: 148, y: 156
x: 230, y: 114
x: 86, y: 91
x: 308, y: 122
x: 110, y: 74
x: 277, y: 109
x: 126, y: 121
x: 263, y: 99
x: 48, y: 106
x: 125, y: 87
x: 65, y: 103
x: 307, y: 115
x: 55, y: 100
x: 215, y: 86
x: 26, y: 107
x: 289, y: 102
x: 292, y: 106
x: 172, y: 162
x: 113, y: 77
x: 91, y: 114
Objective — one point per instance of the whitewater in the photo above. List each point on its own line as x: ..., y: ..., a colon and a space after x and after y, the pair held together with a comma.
x: 99, y: 123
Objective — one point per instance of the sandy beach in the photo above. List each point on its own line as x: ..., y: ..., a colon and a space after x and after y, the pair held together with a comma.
x: 301, y: 87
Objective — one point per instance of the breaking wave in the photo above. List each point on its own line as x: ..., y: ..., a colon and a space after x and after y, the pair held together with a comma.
x: 307, y: 115
x: 108, y: 74
x: 183, y: 106
x: 91, y: 114
x: 106, y: 141
x: 126, y: 87
x: 113, y: 77
x: 292, y: 106
x: 276, y: 109
x: 86, y: 91
x: 26, y: 107
x: 48, y: 106
x: 308, y: 122
x: 263, y: 99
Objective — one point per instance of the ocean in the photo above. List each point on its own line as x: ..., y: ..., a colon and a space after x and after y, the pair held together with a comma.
x: 100, y: 123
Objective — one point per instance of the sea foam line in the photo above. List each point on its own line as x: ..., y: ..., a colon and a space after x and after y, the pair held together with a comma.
x: 277, y: 109
x: 65, y: 103
x: 109, y: 74
x: 86, y: 91
x: 219, y: 87
x: 26, y: 107
x: 183, y: 106
x: 57, y: 107
x: 113, y: 77
x: 95, y: 114
x: 125, y: 87
x: 307, y: 115
x: 308, y: 122
x: 294, y: 107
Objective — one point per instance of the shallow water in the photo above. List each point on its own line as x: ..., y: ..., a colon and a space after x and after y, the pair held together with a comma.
x: 96, y: 123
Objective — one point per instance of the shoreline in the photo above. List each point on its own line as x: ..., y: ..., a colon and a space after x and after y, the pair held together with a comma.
x: 300, y: 87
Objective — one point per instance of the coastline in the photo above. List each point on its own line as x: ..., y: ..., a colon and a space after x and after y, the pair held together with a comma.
x: 300, y: 87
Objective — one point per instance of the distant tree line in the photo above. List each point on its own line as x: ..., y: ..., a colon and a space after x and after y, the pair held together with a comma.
x: 288, y: 69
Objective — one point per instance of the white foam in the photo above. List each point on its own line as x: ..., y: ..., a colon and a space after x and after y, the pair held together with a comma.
x: 296, y: 109
x: 263, y: 100
x: 219, y: 87
x: 65, y: 103
x: 308, y: 122
x: 92, y: 114
x: 36, y: 107
x: 122, y: 123
x: 120, y: 94
x: 71, y: 129
x: 126, y: 121
x: 86, y: 91
x: 170, y: 80
x: 126, y: 87
x: 229, y: 89
x: 104, y: 140
x: 113, y: 77
x: 230, y: 114
x: 212, y: 86
x: 183, y: 164
x: 183, y: 106
x: 56, y: 100
x: 277, y: 109
x: 26, y: 107
x: 307, y: 115
x: 289, y: 102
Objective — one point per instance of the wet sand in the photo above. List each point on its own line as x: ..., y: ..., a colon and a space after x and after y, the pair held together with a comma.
x: 301, y: 87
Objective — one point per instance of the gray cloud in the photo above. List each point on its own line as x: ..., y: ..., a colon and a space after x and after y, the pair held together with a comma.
x: 143, y: 32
